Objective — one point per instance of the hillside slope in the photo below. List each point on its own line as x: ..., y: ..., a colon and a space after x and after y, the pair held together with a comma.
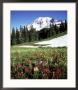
x: 56, y: 42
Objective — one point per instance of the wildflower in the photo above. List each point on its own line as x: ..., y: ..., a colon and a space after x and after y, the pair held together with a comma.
x: 27, y: 70
x: 36, y: 69
x: 58, y: 73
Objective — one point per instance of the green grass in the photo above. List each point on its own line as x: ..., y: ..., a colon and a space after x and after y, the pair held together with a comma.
x: 18, y: 54
x: 51, y: 57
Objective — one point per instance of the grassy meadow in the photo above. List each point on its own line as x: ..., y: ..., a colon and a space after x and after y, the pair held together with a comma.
x: 38, y: 63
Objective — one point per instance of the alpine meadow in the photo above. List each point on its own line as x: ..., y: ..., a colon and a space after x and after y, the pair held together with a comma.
x: 38, y: 45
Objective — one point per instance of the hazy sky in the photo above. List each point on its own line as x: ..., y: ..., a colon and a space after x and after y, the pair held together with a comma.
x: 27, y: 17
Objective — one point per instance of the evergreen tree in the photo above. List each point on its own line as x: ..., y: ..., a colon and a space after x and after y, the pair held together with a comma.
x: 37, y: 35
x: 61, y: 29
x: 18, y: 41
x: 65, y: 25
x: 56, y: 29
x: 27, y: 34
x: 32, y: 34
x: 13, y: 37
x: 52, y: 31
x: 23, y: 34
x: 20, y: 34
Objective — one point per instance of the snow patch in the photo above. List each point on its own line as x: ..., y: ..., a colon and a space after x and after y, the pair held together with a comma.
x: 28, y: 46
x: 56, y: 42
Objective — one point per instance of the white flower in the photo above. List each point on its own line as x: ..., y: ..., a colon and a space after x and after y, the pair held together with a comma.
x: 36, y: 69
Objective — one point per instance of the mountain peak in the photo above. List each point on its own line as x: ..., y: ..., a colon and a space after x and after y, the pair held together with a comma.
x: 42, y: 22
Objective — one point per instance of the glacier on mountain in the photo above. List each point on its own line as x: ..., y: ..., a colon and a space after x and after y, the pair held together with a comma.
x: 43, y: 22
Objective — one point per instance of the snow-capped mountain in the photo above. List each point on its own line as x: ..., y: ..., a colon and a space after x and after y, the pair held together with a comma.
x: 43, y: 22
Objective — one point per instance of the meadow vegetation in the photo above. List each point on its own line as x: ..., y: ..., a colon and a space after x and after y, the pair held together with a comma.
x: 38, y: 63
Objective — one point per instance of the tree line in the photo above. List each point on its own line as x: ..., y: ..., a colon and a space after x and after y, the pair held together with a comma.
x: 22, y: 35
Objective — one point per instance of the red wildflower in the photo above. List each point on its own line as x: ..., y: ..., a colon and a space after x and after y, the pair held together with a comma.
x: 27, y: 70
x: 58, y: 73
